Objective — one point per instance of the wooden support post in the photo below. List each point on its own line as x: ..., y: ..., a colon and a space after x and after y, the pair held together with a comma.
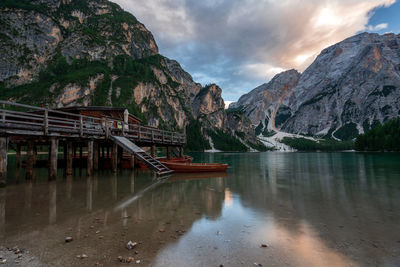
x: 181, y: 152
x: 80, y: 126
x: 46, y: 122
x: 120, y: 155
x: 54, y: 158
x: 96, y: 153
x: 80, y: 156
x: 3, y: 160
x: 132, y: 162
x: 65, y: 151
x: 90, y: 158
x: 168, y: 152
x: 114, y: 157
x: 34, y: 155
x: 69, y: 163
x: 18, y: 156
x: 102, y: 152
x: 153, y: 151
x: 29, y: 160
x: 108, y: 151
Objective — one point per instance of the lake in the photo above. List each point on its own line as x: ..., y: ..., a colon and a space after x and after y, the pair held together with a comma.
x: 309, y: 209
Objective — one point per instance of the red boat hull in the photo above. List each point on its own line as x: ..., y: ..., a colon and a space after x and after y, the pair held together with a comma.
x: 185, y: 159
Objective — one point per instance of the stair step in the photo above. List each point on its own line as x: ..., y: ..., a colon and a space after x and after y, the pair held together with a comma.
x: 152, y: 163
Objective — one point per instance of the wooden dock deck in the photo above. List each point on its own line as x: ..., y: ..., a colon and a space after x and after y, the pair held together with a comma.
x: 29, y: 126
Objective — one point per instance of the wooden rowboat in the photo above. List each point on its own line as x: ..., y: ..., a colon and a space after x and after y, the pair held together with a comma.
x: 163, y: 160
x: 196, y: 167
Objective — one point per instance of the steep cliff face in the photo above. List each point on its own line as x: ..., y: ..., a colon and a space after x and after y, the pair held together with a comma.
x: 350, y: 87
x: 241, y: 126
x: 33, y: 32
x: 209, y: 107
x: 261, y: 104
x: 91, y: 52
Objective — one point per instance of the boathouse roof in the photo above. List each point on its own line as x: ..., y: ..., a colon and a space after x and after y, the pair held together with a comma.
x: 101, y: 111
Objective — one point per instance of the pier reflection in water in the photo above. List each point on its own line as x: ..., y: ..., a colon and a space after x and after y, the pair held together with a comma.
x: 311, y: 209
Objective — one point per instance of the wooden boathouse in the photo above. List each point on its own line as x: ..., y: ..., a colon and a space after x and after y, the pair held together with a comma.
x: 98, y: 129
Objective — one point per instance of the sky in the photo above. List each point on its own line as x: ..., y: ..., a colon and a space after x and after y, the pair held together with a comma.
x: 241, y: 44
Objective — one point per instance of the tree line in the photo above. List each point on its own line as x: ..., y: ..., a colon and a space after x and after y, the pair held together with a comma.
x: 384, y: 137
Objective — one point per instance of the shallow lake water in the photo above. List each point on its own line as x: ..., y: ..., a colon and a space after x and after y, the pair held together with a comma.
x: 310, y: 209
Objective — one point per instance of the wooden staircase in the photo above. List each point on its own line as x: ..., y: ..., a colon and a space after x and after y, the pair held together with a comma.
x: 141, y: 155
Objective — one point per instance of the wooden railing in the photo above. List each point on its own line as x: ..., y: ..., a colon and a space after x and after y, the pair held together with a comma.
x: 23, y: 119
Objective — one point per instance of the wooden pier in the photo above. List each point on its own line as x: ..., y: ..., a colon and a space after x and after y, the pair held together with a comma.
x: 24, y: 126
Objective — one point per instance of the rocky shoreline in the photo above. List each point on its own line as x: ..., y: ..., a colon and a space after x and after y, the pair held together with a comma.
x: 15, y: 256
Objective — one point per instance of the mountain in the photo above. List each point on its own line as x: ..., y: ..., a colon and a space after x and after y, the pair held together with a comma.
x: 351, y: 87
x: 261, y: 104
x: 92, y: 52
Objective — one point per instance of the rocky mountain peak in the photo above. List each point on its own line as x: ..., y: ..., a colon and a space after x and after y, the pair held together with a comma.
x: 209, y: 103
x: 261, y: 103
x: 351, y: 86
x: 34, y: 32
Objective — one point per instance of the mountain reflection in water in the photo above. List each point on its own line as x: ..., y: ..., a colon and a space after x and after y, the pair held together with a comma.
x: 311, y: 209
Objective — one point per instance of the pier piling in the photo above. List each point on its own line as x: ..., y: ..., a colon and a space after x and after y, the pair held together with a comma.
x: 90, y: 158
x: 114, y: 157
x: 132, y: 162
x: 53, y: 158
x: 29, y: 160
x: 18, y: 156
x: 3, y: 160
x: 96, y: 153
x: 69, y: 159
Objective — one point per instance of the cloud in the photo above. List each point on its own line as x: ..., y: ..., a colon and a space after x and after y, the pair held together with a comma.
x: 377, y: 27
x: 239, y: 43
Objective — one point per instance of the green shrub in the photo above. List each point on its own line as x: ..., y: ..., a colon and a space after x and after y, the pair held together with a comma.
x: 194, y: 137
x: 225, y: 141
x: 259, y: 146
x: 348, y: 131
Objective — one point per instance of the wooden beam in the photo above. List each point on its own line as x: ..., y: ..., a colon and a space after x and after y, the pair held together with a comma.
x: 153, y: 151
x: 90, y: 158
x: 54, y: 158
x: 3, y: 160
